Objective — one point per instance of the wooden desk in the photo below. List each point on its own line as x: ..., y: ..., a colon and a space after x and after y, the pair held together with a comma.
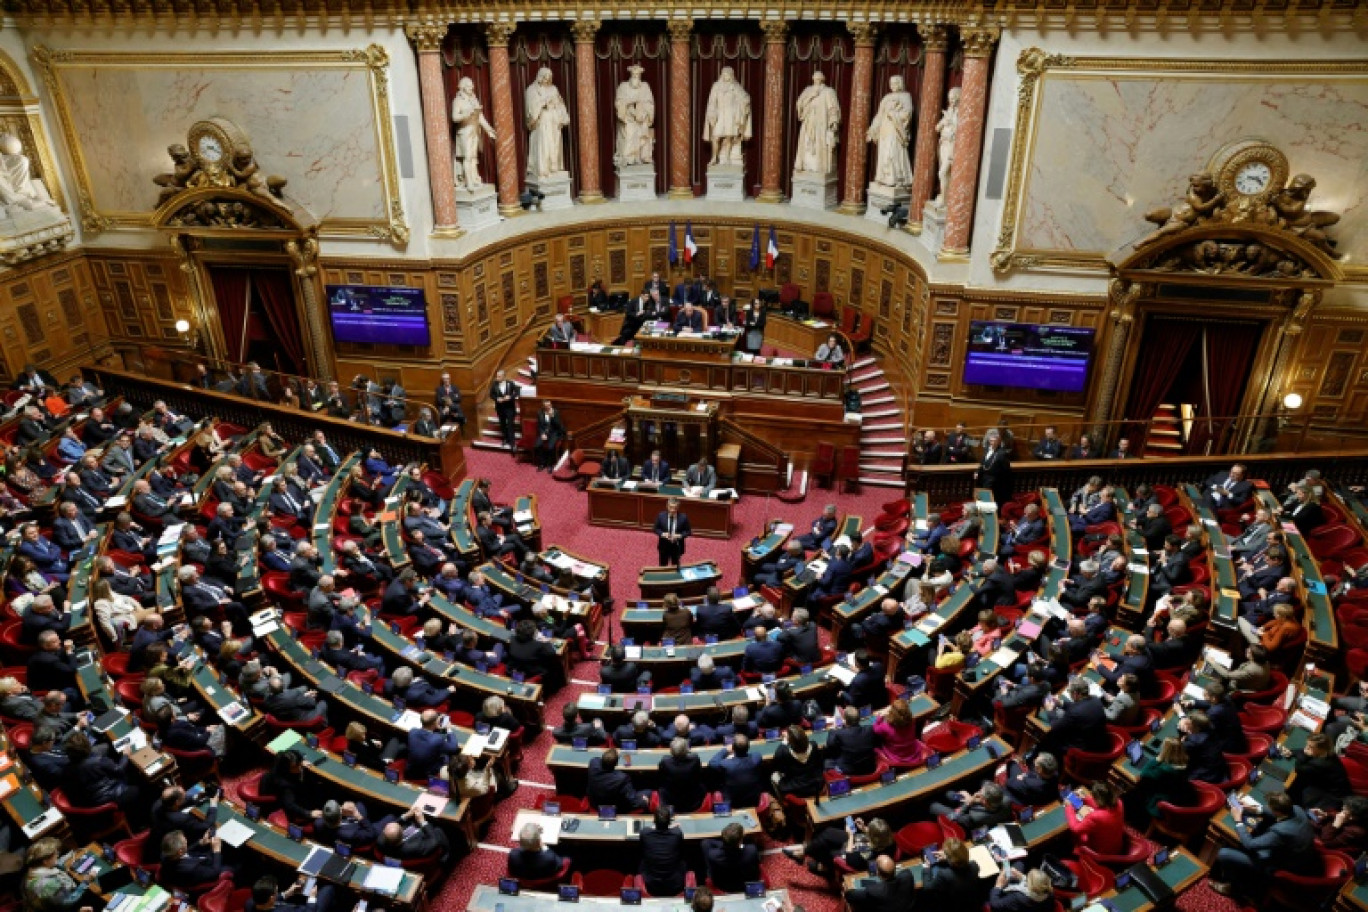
x: 803, y: 337
x: 617, y: 508
x: 488, y: 899
x: 684, y: 580
x: 1322, y: 644
x: 592, y: 833
x: 585, y: 571
x: 764, y: 550
x: 662, y: 347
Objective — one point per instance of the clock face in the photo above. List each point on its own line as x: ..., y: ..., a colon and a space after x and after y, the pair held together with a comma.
x: 1253, y: 178
x: 209, y: 148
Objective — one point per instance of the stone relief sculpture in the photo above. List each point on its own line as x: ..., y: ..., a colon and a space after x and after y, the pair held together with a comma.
x: 819, y: 112
x: 946, y: 128
x: 468, y: 115
x: 727, y: 123
x: 546, y: 116
x: 31, y: 223
x: 634, y: 106
x: 890, y: 130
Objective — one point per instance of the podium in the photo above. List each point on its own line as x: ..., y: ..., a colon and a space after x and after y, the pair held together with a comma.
x: 683, y: 429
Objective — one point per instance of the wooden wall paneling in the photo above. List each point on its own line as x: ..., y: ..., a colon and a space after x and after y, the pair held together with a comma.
x: 49, y: 317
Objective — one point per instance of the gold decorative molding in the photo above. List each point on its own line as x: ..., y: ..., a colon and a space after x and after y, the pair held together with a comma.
x: 498, y: 33
x: 935, y: 37
x: 584, y: 31
x: 1035, y: 65
x: 427, y: 37
x: 776, y: 31
x: 979, y: 42
x: 680, y: 29
x: 373, y: 60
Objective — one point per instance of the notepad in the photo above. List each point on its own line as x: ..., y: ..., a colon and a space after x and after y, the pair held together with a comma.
x: 592, y: 701
x: 235, y: 833
x: 1004, y: 657
x: 384, y: 880
x: 474, y: 745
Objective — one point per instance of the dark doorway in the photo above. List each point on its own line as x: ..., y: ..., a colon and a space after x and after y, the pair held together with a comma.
x: 1194, y: 373
x: 259, y: 316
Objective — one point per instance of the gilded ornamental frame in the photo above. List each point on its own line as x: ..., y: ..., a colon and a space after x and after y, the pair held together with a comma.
x: 373, y: 60
x: 1035, y: 65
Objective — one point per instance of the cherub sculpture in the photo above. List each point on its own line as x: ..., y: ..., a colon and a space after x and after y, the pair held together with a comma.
x: 174, y: 181
x: 1309, y: 225
x: 1201, y: 203
x: 247, y: 172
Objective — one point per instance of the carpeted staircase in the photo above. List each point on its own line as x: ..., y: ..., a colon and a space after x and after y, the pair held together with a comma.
x: 883, y: 440
x: 489, y: 438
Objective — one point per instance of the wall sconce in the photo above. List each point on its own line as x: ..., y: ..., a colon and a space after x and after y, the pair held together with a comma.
x: 1292, y: 401
x: 191, y: 339
x: 1289, y: 405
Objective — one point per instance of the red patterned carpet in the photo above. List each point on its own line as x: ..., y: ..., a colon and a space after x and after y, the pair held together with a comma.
x: 562, y: 510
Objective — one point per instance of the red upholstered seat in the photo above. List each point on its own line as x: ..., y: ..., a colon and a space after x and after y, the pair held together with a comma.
x: 824, y: 465
x: 849, y: 469
x: 1298, y: 891
x: 1086, y: 767
x: 1185, y: 823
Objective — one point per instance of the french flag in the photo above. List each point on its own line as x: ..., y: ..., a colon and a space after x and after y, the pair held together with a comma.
x: 772, y: 251
x: 690, y: 248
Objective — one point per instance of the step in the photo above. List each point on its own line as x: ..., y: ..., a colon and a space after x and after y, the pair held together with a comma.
x: 893, y: 439
x: 877, y: 482
x: 883, y: 454
x: 866, y: 401
x: 875, y: 387
x: 489, y: 445
x: 1164, y: 444
x: 863, y: 362
x: 880, y: 413
x: 1161, y: 431
x: 883, y: 426
x: 867, y: 375
x: 880, y: 469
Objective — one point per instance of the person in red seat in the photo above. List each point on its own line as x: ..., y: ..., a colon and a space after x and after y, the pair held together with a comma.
x: 897, y: 735
x: 1100, y: 824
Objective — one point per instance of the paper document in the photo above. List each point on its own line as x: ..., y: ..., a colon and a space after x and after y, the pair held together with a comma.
x: 842, y: 673
x: 384, y: 880
x: 474, y: 745
x: 1218, y: 657
x: 1004, y: 657
x: 235, y: 833
x: 550, y: 826
x: 49, y: 818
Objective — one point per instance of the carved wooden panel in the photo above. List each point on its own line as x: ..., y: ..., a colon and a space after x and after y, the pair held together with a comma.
x: 617, y: 267
x: 1336, y: 375
x: 541, y: 280
x: 942, y: 341
x: 885, y: 298
x: 856, y: 286
x: 578, y: 279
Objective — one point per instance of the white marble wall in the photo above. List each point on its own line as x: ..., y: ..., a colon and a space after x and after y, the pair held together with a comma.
x: 1109, y: 148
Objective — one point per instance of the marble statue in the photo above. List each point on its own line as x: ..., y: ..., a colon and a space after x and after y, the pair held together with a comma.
x: 635, y: 109
x: 891, y: 130
x: 468, y: 115
x: 947, y: 127
x: 19, y: 191
x: 727, y: 124
x: 819, y: 112
x: 546, y: 117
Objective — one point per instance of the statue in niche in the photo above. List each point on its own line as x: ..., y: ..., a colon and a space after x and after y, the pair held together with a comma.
x: 819, y: 112
x: 468, y: 115
x: 727, y: 124
x: 19, y: 190
x: 635, y: 109
x: 891, y: 131
x: 546, y: 116
x: 946, y: 128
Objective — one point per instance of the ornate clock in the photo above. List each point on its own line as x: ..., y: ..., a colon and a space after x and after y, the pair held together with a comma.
x: 214, y: 142
x: 1249, y: 172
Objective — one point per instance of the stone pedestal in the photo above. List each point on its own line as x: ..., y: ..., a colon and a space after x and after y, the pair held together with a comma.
x: 726, y: 183
x: 880, y: 197
x: 476, y: 209
x: 556, y: 188
x: 933, y: 225
x: 814, y: 191
x: 636, y: 182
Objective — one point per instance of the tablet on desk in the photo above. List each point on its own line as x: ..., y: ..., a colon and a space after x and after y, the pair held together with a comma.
x: 607, y: 812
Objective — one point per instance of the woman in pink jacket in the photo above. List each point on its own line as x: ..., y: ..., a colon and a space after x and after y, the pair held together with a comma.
x: 897, y: 734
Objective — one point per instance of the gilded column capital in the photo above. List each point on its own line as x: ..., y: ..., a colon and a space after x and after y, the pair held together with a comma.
x: 864, y: 33
x: 776, y: 31
x: 680, y: 29
x: 584, y: 30
x: 426, y: 37
x: 498, y: 33
x: 935, y: 37
x: 978, y: 42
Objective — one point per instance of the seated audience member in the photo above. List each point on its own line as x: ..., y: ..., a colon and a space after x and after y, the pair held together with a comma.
x: 706, y: 675
x: 410, y: 837
x: 851, y: 749
x: 1033, y: 891
x: 368, y: 751
x: 1080, y: 723
x: 1284, y: 842
x: 867, y: 687
x: 798, y: 766
x: 1205, y: 760
x: 639, y: 730
x: 1100, y: 824
x: 1034, y: 785
x: 1321, y: 782
x: 297, y: 897
x: 896, y: 733
x: 857, y: 848
x: 531, y: 860
x: 663, y: 867
x: 986, y: 807
x: 609, y: 786
x: 430, y: 745
x: 893, y: 889
x: 731, y: 861
x: 620, y: 675
x: 1345, y: 830
x: 572, y: 728
x: 741, y: 774
x: 293, y: 704
x: 48, y: 887
x: 681, y: 779
x: 285, y: 782
x: 186, y: 868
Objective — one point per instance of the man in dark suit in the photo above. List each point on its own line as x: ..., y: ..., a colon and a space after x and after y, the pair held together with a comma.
x: 33, y: 380
x: 1104, y: 511
x: 1179, y: 650
x: 615, y: 467
x: 496, y: 542
x: 31, y: 427
x: 724, y: 312
x: 415, y: 839
x: 1228, y: 490
x: 1081, y: 723
x: 448, y: 400
x: 1206, y: 763
x: 681, y: 772
x: 893, y: 890
x: 662, y: 856
x: 1171, y: 569
x: 1286, y: 842
x: 293, y: 704
x: 715, y: 618
x: 995, y: 470
x: 957, y: 446
x: 732, y: 862
x: 672, y: 530
x: 774, y: 573
x: 1035, y: 785
x: 609, y: 786
x: 1154, y: 527
x: 1135, y: 659
x: 823, y: 527
x: 689, y: 319
x: 930, y: 452
x: 573, y: 727
x: 621, y: 676
x: 71, y: 530
x: 1123, y: 450
x: 184, y: 869
x: 531, y: 860
x: 429, y: 746
x: 707, y: 675
x: 504, y: 393
x: 1049, y: 447
x: 837, y: 576
x: 763, y: 655
x: 1029, y: 529
x: 851, y: 749
x: 1031, y: 694
x: 867, y: 687
x: 655, y: 469
x: 741, y: 775
x: 169, y: 815
x: 800, y: 640
x: 1079, y: 590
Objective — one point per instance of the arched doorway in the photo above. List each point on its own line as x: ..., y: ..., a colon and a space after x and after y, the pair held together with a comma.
x: 259, y: 316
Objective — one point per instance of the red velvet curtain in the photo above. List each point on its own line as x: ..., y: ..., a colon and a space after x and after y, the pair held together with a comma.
x: 231, y: 290
x: 275, y: 293
x: 1230, y: 351
x: 1163, y: 348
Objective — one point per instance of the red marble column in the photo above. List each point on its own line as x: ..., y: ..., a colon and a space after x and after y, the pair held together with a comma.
x: 681, y: 121
x: 505, y: 145
x: 586, y: 111
x: 929, y: 105
x: 959, y: 199
x: 436, y: 125
x: 857, y: 124
x: 772, y: 131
